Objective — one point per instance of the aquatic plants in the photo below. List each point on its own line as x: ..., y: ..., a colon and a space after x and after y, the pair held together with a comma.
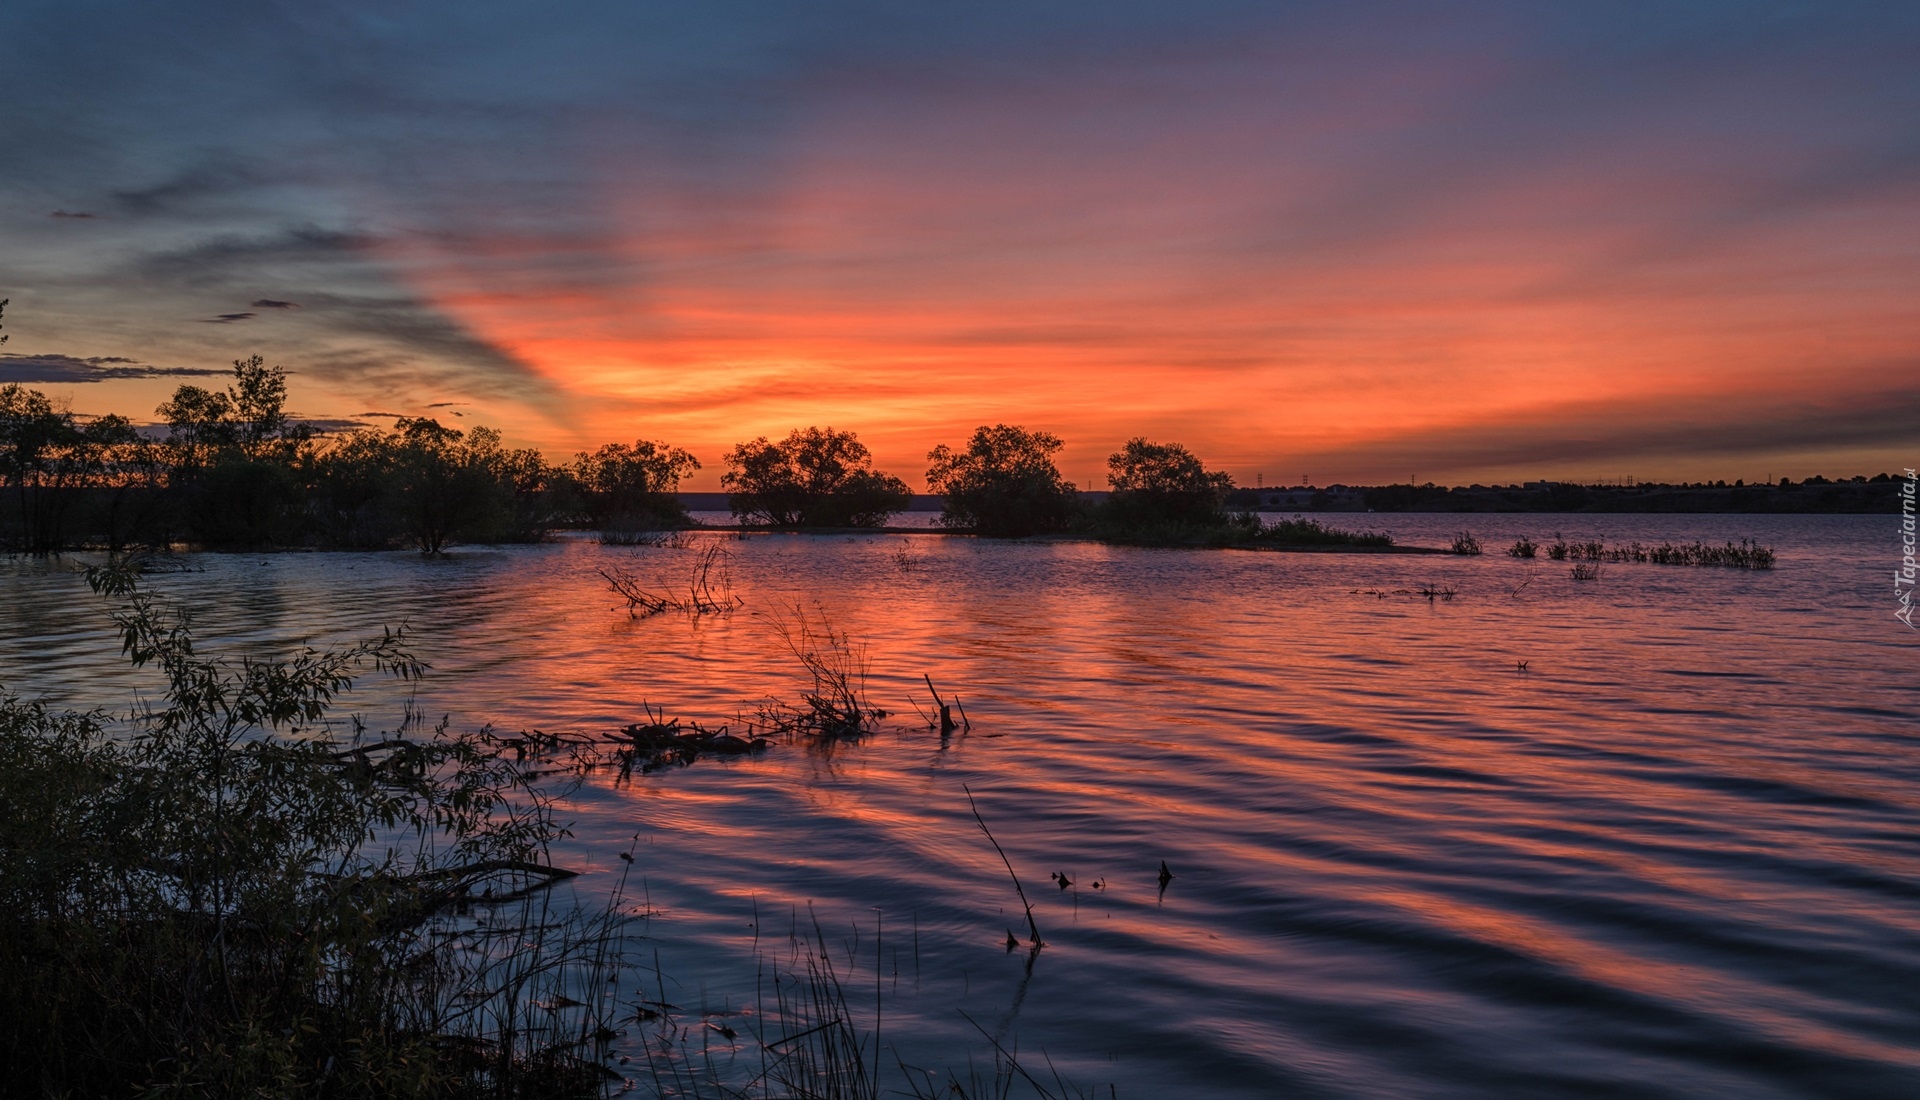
x: 678, y: 539
x: 1744, y: 554
x: 662, y: 742
x: 1465, y: 543
x: 805, y: 1037
x: 708, y: 592
x: 1243, y: 529
x: 833, y: 704
x: 222, y: 895
x: 1300, y: 531
x: 1523, y: 547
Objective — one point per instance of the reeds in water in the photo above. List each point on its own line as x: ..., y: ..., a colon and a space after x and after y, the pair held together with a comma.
x: 1300, y: 531
x: 667, y: 540
x: 1465, y: 543
x: 906, y: 558
x: 834, y: 702
x: 708, y: 592
x: 1744, y: 554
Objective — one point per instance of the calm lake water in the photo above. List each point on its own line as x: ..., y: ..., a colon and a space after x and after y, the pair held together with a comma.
x: 1678, y: 855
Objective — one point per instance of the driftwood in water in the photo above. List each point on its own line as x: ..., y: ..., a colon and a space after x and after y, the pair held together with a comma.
x: 710, y: 591
x: 663, y: 742
x: 945, y: 710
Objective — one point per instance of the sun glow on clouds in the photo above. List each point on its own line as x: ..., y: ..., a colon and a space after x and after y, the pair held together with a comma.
x: 1278, y: 261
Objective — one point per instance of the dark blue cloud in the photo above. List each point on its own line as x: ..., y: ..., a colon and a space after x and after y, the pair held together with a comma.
x: 55, y: 369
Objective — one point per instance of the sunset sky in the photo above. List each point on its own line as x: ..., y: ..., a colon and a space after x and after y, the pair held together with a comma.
x: 1347, y: 241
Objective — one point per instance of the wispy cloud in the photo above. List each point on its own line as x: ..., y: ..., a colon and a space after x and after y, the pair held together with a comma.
x: 225, y: 177
x: 274, y: 303
x: 54, y: 369
x: 76, y: 214
x: 333, y: 425
x: 229, y: 318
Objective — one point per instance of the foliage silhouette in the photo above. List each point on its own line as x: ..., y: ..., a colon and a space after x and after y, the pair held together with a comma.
x: 222, y: 896
x: 628, y: 489
x: 46, y: 454
x: 816, y: 477
x: 1005, y: 483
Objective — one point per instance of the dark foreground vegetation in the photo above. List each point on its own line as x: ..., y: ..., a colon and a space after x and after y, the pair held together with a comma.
x: 225, y: 895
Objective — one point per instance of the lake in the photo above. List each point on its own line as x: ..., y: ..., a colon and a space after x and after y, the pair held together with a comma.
x: 1678, y: 854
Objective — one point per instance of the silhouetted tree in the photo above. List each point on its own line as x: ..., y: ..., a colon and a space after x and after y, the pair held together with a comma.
x: 1005, y: 483
x: 1164, y: 483
x: 134, y: 506
x: 351, y: 477
x: 241, y: 502
x: 632, y: 488
x: 816, y: 477
x: 199, y: 424
x: 537, y: 495
x: 250, y: 417
x: 233, y: 456
x: 445, y: 485
x: 258, y: 397
x: 48, y: 458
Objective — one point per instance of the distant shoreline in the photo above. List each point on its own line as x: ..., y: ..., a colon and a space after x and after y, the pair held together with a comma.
x: 1811, y: 497
x: 947, y: 532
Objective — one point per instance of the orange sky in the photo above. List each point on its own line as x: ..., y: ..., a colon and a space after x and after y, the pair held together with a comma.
x: 1485, y: 246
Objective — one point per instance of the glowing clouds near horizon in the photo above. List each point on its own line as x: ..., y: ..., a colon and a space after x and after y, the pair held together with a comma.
x: 1205, y: 252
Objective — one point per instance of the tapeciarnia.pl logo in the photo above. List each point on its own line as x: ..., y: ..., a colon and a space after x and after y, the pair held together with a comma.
x: 1903, y: 577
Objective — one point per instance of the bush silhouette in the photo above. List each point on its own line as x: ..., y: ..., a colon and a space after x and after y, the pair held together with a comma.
x: 816, y: 477
x: 1005, y: 483
x: 1164, y: 484
x: 626, y: 488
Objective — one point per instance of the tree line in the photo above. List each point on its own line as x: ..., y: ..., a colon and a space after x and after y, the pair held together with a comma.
x: 233, y: 471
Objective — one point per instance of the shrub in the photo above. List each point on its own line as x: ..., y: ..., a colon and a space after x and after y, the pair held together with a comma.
x: 220, y: 897
x: 1005, y: 483
x: 633, y: 488
x: 1300, y: 531
x: 1163, y: 484
x: 816, y: 477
